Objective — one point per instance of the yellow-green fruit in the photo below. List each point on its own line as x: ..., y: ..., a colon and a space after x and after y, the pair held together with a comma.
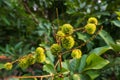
x: 67, y: 29
x: 55, y: 49
x: 76, y: 77
x: 68, y: 42
x: 30, y: 59
x: 93, y: 20
x: 60, y: 34
x: 76, y: 53
x: 39, y: 50
x: 23, y: 63
x: 90, y: 28
x: 8, y: 66
x: 40, y: 57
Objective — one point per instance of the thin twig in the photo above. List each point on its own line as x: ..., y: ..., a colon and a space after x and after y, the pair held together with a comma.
x: 56, y: 64
x: 29, y: 11
x: 57, y: 16
x: 60, y: 60
x: 44, y: 76
x: 77, y: 29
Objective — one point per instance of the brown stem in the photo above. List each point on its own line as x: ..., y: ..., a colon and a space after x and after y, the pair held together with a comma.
x: 78, y: 29
x: 44, y: 76
x: 60, y: 61
x: 57, y: 16
x: 56, y: 64
x: 29, y: 11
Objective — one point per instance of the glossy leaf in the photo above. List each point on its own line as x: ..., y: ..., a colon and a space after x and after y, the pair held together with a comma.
x: 116, y: 23
x: 49, y: 68
x: 100, y: 50
x: 92, y: 74
x: 74, y: 64
x: 95, y: 62
x: 116, y: 47
x: 82, y: 63
x: 82, y: 36
x: 106, y: 37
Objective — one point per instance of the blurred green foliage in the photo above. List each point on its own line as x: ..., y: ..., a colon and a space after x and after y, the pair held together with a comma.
x: 24, y: 24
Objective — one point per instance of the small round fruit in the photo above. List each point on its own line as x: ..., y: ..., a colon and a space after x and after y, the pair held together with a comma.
x: 68, y: 42
x: 67, y: 29
x: 39, y: 50
x: 90, y: 28
x: 30, y: 59
x: 40, y: 57
x: 23, y: 64
x: 8, y: 66
x: 55, y: 49
x: 76, y: 53
x: 93, y: 20
x: 60, y: 34
x: 76, y: 77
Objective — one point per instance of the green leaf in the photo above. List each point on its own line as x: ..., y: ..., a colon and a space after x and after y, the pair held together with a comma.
x: 65, y: 65
x: 117, y: 12
x: 82, y: 63
x: 100, y: 50
x: 106, y: 37
x: 66, y: 78
x: 18, y: 45
x: 49, y: 68
x: 1, y: 65
x: 74, y: 64
x: 116, y: 23
x: 92, y: 74
x: 102, y: 13
x: 95, y: 62
x: 50, y: 56
x: 116, y: 47
x: 82, y: 36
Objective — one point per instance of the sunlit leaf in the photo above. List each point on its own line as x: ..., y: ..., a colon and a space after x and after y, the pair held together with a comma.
x: 100, y: 50
x: 1, y: 65
x: 92, y: 74
x: 95, y: 62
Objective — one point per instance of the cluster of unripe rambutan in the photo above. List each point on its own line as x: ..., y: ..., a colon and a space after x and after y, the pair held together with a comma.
x: 30, y: 59
x: 65, y: 41
x: 91, y: 25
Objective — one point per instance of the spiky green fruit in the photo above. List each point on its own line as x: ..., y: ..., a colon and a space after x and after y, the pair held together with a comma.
x: 22, y: 63
x: 68, y: 42
x: 76, y: 53
x: 40, y: 57
x: 90, y: 28
x: 93, y: 20
x: 8, y: 66
x: 30, y: 59
x: 39, y: 50
x: 60, y: 34
x: 55, y: 49
x: 67, y: 29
